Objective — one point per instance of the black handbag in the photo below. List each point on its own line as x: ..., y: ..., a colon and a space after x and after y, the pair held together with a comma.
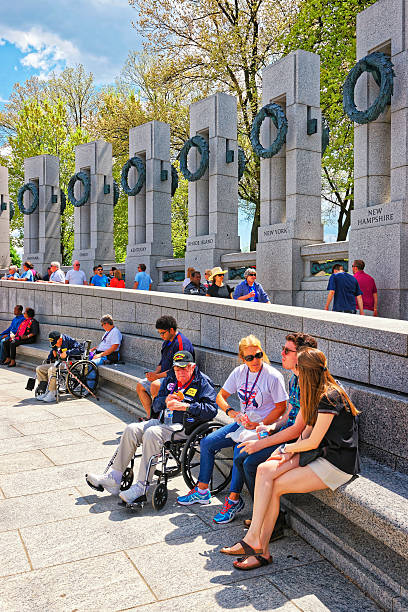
x: 309, y: 456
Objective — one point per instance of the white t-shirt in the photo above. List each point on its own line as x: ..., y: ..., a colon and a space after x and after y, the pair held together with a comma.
x: 75, y: 277
x: 269, y: 389
x: 109, y: 339
x: 58, y: 276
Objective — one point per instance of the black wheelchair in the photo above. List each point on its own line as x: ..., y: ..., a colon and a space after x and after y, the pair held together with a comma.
x: 78, y: 375
x: 181, y: 454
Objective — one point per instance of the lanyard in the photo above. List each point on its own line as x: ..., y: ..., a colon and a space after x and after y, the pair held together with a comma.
x: 106, y: 334
x: 246, y: 394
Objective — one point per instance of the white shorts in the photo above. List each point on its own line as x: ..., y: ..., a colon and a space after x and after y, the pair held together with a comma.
x: 329, y: 473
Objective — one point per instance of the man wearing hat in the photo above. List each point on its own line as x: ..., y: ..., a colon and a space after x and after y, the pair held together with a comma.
x: 62, y: 347
x: 184, y: 390
x: 217, y: 288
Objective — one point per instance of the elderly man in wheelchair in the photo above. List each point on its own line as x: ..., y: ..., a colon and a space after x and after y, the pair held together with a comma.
x: 186, y: 397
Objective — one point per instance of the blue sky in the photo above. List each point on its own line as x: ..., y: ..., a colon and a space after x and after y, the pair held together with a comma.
x: 38, y: 37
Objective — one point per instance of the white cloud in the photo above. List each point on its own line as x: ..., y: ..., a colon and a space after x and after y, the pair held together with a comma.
x: 45, y: 51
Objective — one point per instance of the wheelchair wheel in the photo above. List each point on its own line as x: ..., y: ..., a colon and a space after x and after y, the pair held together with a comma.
x: 190, y: 460
x: 86, y: 372
x: 160, y: 495
x: 127, y: 479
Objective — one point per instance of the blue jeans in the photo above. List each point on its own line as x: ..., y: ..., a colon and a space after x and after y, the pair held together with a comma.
x: 100, y: 360
x: 208, y: 447
x: 247, y: 465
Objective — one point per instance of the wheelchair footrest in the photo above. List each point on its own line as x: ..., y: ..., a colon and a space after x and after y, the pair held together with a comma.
x: 137, y: 503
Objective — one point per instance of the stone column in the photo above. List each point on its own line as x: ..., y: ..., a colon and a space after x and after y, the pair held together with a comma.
x: 379, y: 223
x: 213, y: 200
x: 4, y: 219
x: 42, y: 229
x: 93, y: 222
x: 149, y: 218
x: 291, y: 180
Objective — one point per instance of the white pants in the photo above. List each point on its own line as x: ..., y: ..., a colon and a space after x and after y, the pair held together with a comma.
x: 153, y: 435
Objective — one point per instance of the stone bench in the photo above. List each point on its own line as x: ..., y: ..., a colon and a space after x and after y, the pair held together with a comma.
x: 362, y: 528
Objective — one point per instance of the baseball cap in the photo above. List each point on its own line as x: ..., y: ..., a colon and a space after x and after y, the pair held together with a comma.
x: 182, y: 359
x: 54, y: 337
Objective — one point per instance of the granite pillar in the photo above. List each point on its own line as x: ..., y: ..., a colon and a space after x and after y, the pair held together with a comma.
x: 213, y: 199
x: 149, y: 212
x: 290, y: 214
x: 379, y: 223
x: 4, y: 219
x: 42, y: 229
x: 93, y: 222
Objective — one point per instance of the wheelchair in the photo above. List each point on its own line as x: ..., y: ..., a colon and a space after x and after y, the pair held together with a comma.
x: 77, y: 376
x: 183, y: 455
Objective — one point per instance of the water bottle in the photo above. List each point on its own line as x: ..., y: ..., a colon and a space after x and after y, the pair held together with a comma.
x: 168, y: 417
x: 263, y: 433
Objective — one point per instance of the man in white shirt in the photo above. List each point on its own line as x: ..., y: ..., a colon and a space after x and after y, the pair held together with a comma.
x: 108, y: 349
x: 57, y: 275
x: 75, y: 276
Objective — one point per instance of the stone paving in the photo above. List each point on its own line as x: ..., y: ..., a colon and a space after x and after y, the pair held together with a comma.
x: 65, y: 547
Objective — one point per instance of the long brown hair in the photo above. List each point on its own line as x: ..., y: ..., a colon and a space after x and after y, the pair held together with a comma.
x: 315, y: 382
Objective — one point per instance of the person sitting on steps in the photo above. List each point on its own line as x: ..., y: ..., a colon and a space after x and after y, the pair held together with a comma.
x: 173, y: 341
x: 325, y: 456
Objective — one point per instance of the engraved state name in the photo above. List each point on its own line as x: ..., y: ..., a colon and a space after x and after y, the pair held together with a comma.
x: 375, y: 215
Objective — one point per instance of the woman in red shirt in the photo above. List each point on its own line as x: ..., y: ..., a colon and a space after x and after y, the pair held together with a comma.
x: 117, y: 280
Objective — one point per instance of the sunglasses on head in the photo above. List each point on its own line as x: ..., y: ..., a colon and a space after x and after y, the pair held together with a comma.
x: 286, y: 351
x: 258, y: 355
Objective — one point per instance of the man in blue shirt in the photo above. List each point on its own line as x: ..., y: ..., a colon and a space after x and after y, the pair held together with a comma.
x: 345, y: 289
x: 11, y: 329
x: 249, y: 289
x: 99, y: 279
x: 173, y: 341
x: 143, y: 282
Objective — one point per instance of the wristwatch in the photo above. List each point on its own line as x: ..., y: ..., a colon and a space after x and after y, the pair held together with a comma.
x: 228, y: 409
x: 282, y: 449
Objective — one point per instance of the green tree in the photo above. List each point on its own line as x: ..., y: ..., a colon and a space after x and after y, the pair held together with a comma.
x: 15, y: 257
x: 328, y: 27
x: 42, y: 128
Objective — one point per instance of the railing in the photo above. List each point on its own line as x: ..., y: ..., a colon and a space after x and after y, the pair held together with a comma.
x: 319, y: 259
x: 236, y: 264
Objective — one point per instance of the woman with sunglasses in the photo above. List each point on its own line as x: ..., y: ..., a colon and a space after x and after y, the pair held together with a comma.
x: 261, y: 390
x: 217, y: 288
x: 325, y: 456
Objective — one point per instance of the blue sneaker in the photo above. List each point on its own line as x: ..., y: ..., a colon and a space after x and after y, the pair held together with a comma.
x: 194, y: 497
x: 228, y: 511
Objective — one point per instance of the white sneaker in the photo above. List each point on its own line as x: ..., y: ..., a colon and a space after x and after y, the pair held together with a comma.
x: 106, y: 481
x: 132, y: 493
x: 51, y: 396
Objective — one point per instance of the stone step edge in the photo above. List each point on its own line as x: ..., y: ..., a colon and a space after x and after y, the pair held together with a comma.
x: 359, y: 544
x: 370, y: 582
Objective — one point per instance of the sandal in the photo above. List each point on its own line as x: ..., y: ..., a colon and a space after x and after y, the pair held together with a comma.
x: 245, y: 550
x: 261, y: 563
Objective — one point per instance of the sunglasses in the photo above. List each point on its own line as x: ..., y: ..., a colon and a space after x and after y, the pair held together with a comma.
x: 252, y: 275
x: 258, y: 355
x: 99, y: 270
x: 286, y: 351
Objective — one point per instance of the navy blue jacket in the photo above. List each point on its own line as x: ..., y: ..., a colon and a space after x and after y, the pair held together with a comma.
x: 200, y: 395
x: 75, y: 348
